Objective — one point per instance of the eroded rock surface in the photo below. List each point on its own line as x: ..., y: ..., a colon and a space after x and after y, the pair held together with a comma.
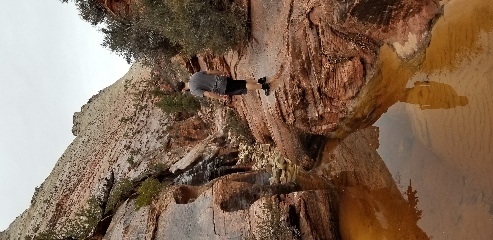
x: 318, y: 56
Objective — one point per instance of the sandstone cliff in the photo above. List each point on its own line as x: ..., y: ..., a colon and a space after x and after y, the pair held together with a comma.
x: 320, y: 57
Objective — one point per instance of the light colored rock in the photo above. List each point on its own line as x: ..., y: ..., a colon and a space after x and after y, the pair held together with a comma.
x: 202, y: 149
x: 127, y: 223
x: 110, y: 130
x: 201, y: 219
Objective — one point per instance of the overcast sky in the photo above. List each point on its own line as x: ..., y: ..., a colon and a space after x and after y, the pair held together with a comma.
x: 51, y: 63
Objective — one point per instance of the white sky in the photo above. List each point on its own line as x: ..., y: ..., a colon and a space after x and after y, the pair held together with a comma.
x: 51, y: 63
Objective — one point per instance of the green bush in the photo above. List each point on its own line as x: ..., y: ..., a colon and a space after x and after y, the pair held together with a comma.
x: 165, y: 27
x: 238, y: 127
x: 81, y: 227
x: 175, y: 103
x: 47, y: 235
x: 156, y: 169
x: 90, y: 10
x: 35, y: 195
x: 121, y: 191
x: 133, y: 40
x: 147, y: 191
x: 197, y: 25
x: 156, y: 92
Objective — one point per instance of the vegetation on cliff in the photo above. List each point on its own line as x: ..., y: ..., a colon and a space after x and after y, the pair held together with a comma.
x: 174, y: 103
x: 147, y: 30
x: 121, y: 191
x: 147, y: 191
x: 238, y: 127
x: 80, y: 227
x: 154, y: 31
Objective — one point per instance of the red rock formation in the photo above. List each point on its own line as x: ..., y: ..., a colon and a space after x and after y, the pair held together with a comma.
x: 318, y: 55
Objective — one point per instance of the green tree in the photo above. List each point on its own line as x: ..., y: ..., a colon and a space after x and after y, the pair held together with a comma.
x: 177, y: 102
x: 157, y: 28
x: 121, y: 191
x: 81, y: 227
x: 91, y: 11
x: 198, y: 25
x: 131, y: 40
x: 147, y: 191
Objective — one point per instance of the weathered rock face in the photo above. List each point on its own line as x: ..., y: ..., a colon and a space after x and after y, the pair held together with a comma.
x: 244, y: 205
x: 318, y: 56
x: 237, y: 206
x: 117, y: 137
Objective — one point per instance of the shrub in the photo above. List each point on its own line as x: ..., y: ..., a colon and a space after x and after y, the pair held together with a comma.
x: 155, y: 169
x: 165, y: 27
x: 35, y: 195
x: 122, y: 190
x: 175, y: 103
x: 90, y: 10
x: 81, y: 227
x: 156, y: 92
x: 197, y: 25
x: 238, y: 127
x: 131, y: 161
x: 168, y: 71
x: 47, y: 235
x: 147, y: 191
x: 132, y: 40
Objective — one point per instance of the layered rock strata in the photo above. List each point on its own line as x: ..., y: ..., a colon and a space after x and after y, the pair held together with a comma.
x: 317, y: 55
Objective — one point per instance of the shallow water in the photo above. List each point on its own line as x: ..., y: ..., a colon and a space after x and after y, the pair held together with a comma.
x: 435, y: 137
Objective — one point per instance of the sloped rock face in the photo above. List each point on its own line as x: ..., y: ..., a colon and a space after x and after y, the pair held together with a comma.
x: 129, y: 222
x: 306, y: 214
x: 245, y: 206
x: 120, y: 136
x: 318, y: 56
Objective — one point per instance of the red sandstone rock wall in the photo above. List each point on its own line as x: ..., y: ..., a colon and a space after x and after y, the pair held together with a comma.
x: 318, y: 55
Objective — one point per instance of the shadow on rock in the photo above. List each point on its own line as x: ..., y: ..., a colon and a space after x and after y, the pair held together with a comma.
x: 240, y: 191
